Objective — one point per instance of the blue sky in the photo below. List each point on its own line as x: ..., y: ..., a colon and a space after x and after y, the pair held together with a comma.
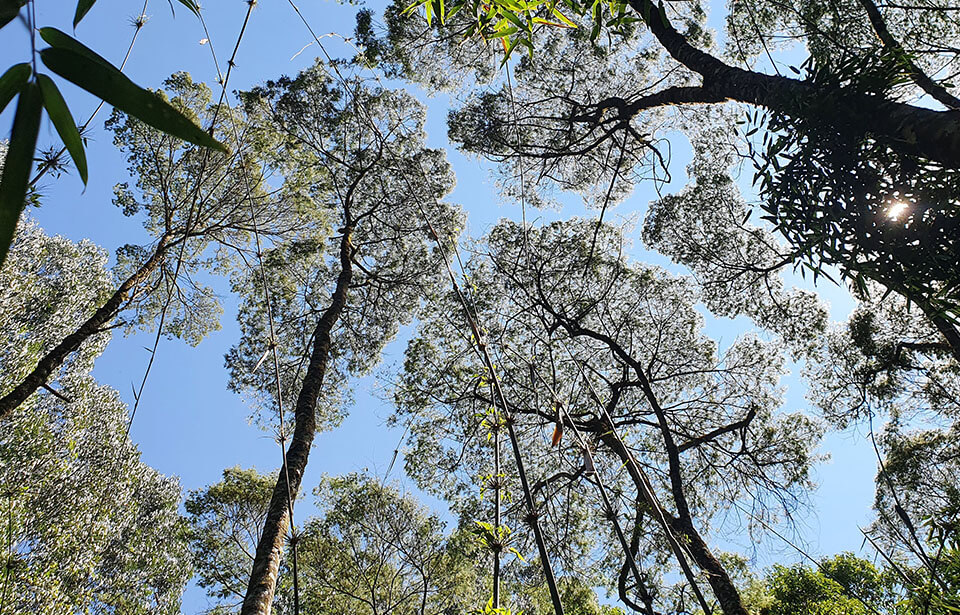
x: 188, y: 424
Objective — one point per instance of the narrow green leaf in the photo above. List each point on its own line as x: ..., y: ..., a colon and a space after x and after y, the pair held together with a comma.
x: 115, y: 88
x: 9, y: 9
x: 16, y: 168
x: 413, y: 5
x: 507, y: 49
x: 564, y: 18
x: 61, y: 40
x: 63, y: 121
x: 513, y: 7
x: 514, y: 20
x: 547, y: 22
x: 12, y: 82
x: 454, y: 10
x: 190, y: 4
x: 82, y: 7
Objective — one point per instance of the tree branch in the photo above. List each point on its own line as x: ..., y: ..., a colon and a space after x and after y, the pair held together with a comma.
x: 928, y: 85
x: 907, y: 128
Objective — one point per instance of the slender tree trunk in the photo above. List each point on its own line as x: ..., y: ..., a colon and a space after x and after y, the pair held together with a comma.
x: 266, y: 562
x: 723, y: 588
x: 915, y: 130
x: 497, y: 485
x: 93, y: 325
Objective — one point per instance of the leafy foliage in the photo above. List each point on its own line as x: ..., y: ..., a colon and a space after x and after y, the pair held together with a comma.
x: 738, y: 265
x: 198, y: 207
x: 846, y: 199
x: 374, y: 550
x: 225, y: 520
x: 86, y: 525
x: 526, y: 284
x: 354, y: 158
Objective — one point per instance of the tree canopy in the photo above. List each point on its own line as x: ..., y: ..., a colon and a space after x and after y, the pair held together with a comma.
x: 602, y: 408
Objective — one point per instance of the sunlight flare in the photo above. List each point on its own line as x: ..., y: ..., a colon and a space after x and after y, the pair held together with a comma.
x: 896, y: 209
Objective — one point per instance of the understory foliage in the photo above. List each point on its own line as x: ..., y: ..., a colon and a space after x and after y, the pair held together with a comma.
x: 371, y: 549
x: 847, y: 585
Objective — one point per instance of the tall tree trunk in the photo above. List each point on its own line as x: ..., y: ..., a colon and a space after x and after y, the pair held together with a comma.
x: 266, y: 562
x: 915, y: 130
x: 93, y: 325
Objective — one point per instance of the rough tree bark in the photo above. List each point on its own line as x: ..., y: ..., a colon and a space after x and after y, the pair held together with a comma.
x: 266, y: 562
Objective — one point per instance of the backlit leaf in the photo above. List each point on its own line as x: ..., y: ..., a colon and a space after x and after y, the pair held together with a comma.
x: 114, y: 87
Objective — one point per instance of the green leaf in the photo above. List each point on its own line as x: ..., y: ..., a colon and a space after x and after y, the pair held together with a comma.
x: 82, y: 7
x: 115, y: 88
x: 517, y: 553
x: 16, y: 168
x: 61, y: 40
x: 454, y: 10
x: 507, y: 50
x: 190, y: 4
x: 12, y: 82
x: 563, y: 18
x: 63, y: 121
x: 512, y: 18
x: 9, y: 9
x: 413, y: 5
